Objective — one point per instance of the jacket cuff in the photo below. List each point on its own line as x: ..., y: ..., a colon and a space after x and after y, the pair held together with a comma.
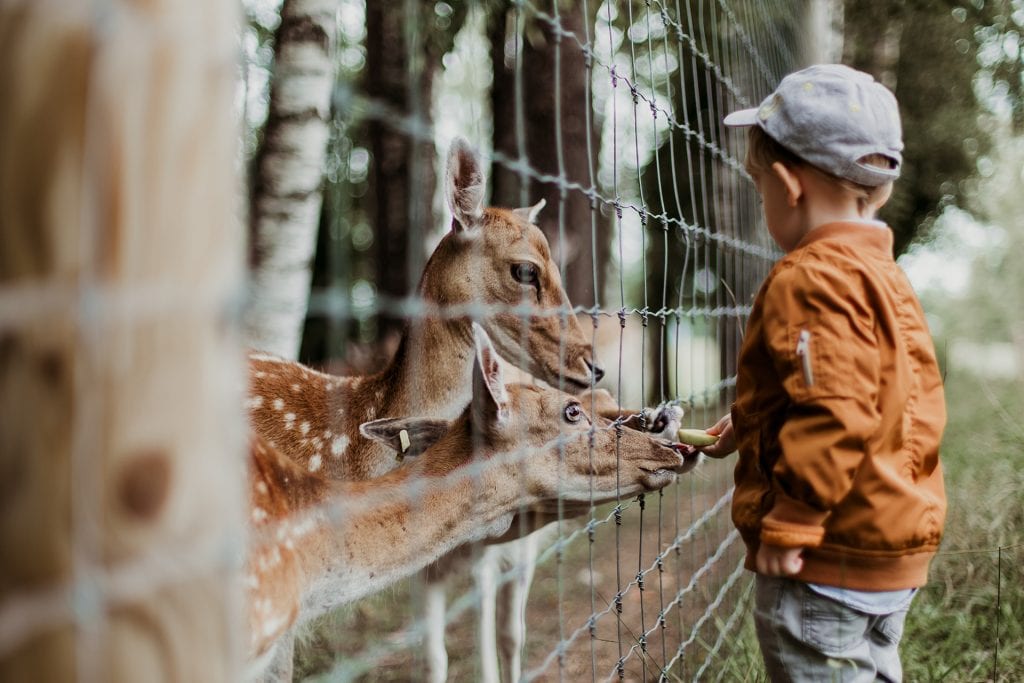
x: 792, y: 524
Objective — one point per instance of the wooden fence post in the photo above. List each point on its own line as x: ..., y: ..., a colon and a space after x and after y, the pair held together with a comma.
x: 121, y: 476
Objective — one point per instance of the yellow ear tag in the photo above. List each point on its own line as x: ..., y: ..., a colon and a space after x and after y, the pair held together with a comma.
x: 403, y: 436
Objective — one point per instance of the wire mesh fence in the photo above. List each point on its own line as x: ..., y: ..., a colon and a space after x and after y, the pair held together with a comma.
x: 656, y: 230
x: 609, y: 111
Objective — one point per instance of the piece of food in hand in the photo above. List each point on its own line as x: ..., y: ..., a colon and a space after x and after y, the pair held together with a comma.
x: 696, y: 437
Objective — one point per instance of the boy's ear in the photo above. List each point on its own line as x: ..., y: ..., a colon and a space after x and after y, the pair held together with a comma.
x: 794, y: 187
x: 881, y: 198
x: 420, y: 433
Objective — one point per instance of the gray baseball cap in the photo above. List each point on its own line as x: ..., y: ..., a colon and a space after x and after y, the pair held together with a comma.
x: 832, y: 116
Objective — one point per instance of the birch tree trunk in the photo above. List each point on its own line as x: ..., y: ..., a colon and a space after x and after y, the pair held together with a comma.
x: 288, y: 173
x: 825, y: 32
x: 119, y: 410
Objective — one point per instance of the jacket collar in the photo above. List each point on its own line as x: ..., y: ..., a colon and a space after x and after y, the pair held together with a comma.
x: 869, y: 239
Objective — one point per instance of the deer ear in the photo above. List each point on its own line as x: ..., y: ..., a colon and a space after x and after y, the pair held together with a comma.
x: 420, y: 433
x: 464, y: 185
x: 529, y: 213
x: 490, y: 400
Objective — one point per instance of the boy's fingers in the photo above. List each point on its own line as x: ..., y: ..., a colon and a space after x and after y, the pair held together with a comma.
x: 793, y: 564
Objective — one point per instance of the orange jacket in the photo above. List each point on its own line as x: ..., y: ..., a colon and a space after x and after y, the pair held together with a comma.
x: 838, y: 416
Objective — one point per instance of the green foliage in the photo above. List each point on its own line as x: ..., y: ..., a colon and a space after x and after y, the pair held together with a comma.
x: 932, y: 54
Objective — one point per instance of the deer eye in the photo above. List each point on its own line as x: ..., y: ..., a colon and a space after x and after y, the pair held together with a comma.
x: 525, y: 273
x: 573, y: 413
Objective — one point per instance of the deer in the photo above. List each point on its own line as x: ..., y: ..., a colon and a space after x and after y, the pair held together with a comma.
x: 493, y: 264
x: 316, y: 543
x: 493, y: 260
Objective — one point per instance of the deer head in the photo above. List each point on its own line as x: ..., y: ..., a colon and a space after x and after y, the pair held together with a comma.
x: 499, y: 259
x: 554, y: 448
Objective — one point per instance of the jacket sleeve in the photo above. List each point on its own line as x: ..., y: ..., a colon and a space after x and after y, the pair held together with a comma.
x: 819, y: 328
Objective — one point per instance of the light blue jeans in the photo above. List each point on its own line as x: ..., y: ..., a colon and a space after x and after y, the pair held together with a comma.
x: 808, y: 637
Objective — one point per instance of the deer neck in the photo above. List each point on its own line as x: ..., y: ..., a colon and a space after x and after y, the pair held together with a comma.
x: 397, y: 524
x: 430, y: 373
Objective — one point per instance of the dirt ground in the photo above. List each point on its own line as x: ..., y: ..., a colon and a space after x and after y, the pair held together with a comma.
x: 376, y: 635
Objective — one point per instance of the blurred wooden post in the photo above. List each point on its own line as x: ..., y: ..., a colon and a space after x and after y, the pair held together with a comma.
x: 120, y: 412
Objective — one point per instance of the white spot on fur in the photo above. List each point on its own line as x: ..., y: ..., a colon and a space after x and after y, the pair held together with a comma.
x: 304, y: 428
x: 272, y: 625
x: 315, y: 462
x: 261, y: 486
x: 289, y: 420
x: 339, y: 446
x: 328, y: 433
x: 296, y: 388
x: 304, y: 527
x: 278, y: 404
x: 258, y: 514
x: 259, y: 374
x: 254, y: 402
x: 269, y: 560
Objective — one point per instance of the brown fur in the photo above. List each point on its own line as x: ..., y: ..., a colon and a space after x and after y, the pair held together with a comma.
x: 314, y: 418
x: 398, y: 523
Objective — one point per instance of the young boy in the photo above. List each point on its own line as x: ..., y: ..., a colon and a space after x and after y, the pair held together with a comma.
x: 839, y: 408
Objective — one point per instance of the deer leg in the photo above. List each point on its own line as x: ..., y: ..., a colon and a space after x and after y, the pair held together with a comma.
x: 433, y: 617
x: 512, y: 608
x: 485, y: 572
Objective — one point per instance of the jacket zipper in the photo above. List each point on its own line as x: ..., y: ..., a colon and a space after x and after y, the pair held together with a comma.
x: 803, y: 350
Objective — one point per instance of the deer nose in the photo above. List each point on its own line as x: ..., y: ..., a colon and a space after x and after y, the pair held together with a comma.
x: 596, y: 370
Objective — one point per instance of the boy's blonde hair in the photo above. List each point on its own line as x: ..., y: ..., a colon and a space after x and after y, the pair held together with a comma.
x: 763, y: 151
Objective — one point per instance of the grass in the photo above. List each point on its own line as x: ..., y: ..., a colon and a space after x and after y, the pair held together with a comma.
x: 951, y: 632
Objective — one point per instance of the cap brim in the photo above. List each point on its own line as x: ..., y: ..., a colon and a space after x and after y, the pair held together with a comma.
x: 743, y: 117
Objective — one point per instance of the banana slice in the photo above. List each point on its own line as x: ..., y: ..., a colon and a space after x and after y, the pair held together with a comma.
x: 696, y: 437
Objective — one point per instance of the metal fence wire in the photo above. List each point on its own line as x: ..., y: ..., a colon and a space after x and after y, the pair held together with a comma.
x: 610, y: 111
x: 650, y: 587
x: 662, y: 268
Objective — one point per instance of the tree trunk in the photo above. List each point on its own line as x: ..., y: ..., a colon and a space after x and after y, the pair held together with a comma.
x: 550, y: 109
x: 401, y: 63
x: 120, y: 462
x: 288, y: 173
x: 824, y: 32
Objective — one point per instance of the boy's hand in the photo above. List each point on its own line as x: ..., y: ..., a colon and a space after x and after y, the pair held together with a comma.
x: 726, y: 443
x: 773, y: 560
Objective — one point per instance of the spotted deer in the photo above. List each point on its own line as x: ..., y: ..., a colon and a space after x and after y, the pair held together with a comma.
x: 317, y: 543
x: 493, y: 264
